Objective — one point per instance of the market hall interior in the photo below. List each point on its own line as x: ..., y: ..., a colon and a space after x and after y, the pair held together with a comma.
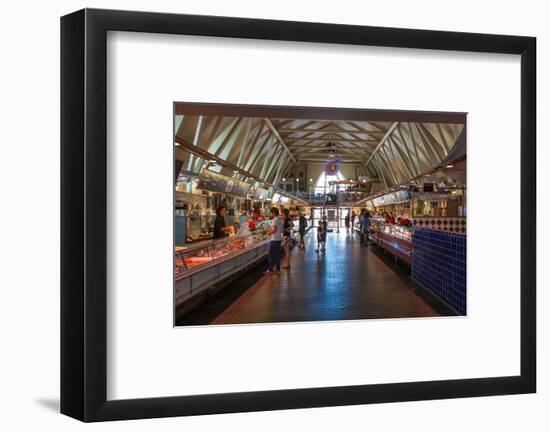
x: 373, y: 205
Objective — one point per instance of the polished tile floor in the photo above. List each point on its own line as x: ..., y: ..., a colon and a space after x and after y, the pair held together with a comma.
x: 349, y: 281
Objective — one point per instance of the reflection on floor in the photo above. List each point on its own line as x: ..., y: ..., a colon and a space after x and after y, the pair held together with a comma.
x: 349, y: 281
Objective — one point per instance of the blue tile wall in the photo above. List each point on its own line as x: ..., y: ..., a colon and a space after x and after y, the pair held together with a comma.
x: 439, y: 264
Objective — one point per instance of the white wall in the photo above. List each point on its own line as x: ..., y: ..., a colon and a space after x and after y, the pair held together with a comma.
x: 30, y: 225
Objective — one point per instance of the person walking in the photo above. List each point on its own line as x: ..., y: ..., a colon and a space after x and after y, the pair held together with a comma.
x: 366, y: 227
x: 346, y: 222
x: 321, y: 238
x: 288, y: 225
x: 302, y: 226
x: 322, y: 235
x: 361, y: 232
x: 274, y: 254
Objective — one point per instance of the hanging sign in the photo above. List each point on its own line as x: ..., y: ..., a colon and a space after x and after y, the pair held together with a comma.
x: 219, y: 183
x: 331, y: 166
x: 261, y: 194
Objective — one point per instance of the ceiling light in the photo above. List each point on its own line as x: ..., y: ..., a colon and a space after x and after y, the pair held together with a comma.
x: 177, y: 144
x: 449, y: 166
x: 284, y: 179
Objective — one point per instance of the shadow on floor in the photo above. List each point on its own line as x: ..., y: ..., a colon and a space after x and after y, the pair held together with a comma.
x: 51, y: 404
x: 204, y: 314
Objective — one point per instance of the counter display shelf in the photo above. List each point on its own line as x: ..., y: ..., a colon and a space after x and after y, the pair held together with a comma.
x: 395, y: 239
x: 200, y: 269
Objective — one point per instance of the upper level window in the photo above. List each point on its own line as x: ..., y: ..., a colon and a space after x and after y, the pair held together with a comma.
x: 323, y: 186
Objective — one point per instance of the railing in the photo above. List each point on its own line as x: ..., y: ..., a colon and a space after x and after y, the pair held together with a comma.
x: 345, y: 198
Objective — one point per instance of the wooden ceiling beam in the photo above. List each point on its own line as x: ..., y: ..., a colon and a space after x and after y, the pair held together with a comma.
x: 321, y: 130
x: 277, y: 135
x: 344, y: 160
x: 325, y: 149
x: 383, y: 140
x: 365, y: 141
x: 202, y: 153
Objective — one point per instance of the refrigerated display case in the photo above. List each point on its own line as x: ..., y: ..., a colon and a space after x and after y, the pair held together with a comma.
x: 393, y: 238
x: 200, y: 269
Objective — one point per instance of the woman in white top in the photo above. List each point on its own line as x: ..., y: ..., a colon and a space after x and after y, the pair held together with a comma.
x: 274, y: 254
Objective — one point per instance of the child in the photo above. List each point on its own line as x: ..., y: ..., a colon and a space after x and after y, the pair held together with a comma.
x: 321, y: 237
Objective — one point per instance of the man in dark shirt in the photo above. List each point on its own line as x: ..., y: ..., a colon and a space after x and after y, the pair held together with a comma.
x: 220, y: 230
x: 302, y: 228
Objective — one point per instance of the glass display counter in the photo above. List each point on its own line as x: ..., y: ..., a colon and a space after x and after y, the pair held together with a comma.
x: 193, y: 256
x: 202, y: 269
x: 395, y: 239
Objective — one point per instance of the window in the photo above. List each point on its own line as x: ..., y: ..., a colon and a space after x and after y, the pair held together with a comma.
x: 325, y: 179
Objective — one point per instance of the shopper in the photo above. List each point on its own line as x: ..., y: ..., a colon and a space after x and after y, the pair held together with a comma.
x: 346, y: 222
x: 220, y: 230
x: 391, y: 218
x: 288, y: 225
x: 325, y: 232
x: 321, y: 238
x: 361, y: 218
x: 365, y: 228
x: 302, y: 223
x: 275, y: 253
x: 353, y: 217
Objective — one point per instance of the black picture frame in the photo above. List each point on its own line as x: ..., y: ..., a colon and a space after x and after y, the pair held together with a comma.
x: 84, y: 214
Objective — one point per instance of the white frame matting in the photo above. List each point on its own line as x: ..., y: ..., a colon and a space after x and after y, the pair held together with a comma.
x: 148, y: 357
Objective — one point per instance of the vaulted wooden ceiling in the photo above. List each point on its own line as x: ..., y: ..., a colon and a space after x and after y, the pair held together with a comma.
x: 319, y: 140
x: 392, y: 152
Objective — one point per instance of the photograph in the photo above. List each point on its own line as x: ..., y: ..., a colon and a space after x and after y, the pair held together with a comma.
x: 305, y: 214
x: 263, y: 217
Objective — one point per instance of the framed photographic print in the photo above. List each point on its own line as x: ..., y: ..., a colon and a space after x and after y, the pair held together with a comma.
x: 262, y: 215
